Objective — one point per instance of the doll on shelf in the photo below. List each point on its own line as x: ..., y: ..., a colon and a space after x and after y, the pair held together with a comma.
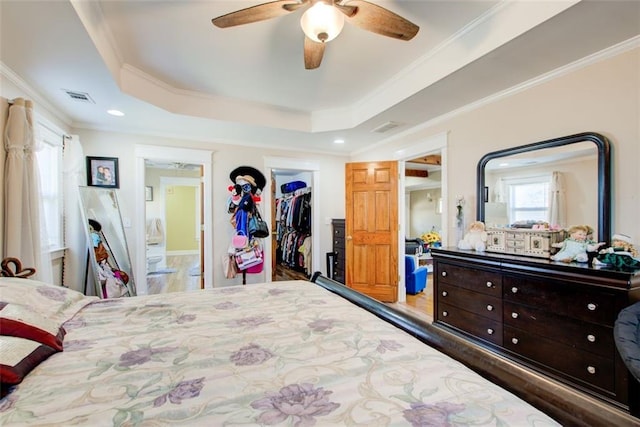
x: 576, y: 246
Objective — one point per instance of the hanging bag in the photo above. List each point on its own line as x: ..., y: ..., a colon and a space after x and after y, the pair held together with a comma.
x: 248, y: 258
x: 240, y: 240
x: 257, y: 226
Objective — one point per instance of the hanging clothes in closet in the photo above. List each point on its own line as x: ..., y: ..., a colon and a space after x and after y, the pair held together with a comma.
x: 293, y: 220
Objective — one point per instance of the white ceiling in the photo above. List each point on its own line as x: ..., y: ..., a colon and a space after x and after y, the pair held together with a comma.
x: 174, y: 74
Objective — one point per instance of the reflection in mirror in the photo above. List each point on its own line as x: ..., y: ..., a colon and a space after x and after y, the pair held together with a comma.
x: 108, y: 254
x: 562, y: 182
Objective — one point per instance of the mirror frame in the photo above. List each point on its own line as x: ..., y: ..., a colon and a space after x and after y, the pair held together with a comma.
x: 604, y: 174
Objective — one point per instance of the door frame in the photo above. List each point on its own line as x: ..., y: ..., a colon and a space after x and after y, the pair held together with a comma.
x: 433, y: 144
x: 172, y: 154
x: 291, y: 163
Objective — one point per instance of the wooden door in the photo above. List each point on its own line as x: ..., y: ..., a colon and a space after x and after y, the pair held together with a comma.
x: 372, y: 229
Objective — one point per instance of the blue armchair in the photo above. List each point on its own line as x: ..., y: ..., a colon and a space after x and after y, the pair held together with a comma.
x: 415, y: 275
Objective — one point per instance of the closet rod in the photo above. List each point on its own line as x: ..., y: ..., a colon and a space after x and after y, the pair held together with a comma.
x: 298, y: 192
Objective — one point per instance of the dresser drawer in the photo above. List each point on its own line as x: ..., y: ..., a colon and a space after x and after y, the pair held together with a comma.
x: 338, y: 233
x: 484, y: 281
x: 481, y: 304
x: 591, y: 337
x: 481, y: 327
x: 588, y: 368
x: 561, y: 298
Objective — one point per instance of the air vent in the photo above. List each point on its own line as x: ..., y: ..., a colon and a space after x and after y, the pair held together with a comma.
x: 79, y: 96
x: 386, y: 127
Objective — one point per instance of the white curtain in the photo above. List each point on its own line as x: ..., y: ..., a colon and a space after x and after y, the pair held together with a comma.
x: 25, y: 235
x: 499, y: 192
x: 557, y: 201
x: 75, y: 236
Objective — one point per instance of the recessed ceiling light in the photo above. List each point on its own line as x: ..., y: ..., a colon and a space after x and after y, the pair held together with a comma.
x: 338, y: 141
x: 116, y: 113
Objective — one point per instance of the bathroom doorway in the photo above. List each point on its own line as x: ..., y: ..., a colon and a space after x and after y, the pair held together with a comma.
x: 184, y: 174
x: 173, y: 218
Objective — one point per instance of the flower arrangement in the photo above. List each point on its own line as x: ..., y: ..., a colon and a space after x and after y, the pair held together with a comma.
x: 432, y: 239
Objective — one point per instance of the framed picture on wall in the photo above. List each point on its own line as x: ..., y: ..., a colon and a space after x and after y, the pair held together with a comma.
x: 102, y: 172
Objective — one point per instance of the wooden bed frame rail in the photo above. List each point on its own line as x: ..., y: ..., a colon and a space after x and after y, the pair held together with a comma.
x: 567, y: 406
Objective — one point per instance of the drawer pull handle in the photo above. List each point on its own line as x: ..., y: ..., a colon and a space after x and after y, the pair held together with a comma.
x: 514, y: 315
x: 489, y: 285
x: 445, y: 313
x: 514, y: 340
x: 490, y: 331
x: 489, y: 307
x: 591, y: 306
x: 591, y: 338
x: 591, y: 370
x: 445, y: 293
x: 514, y: 290
x: 444, y: 274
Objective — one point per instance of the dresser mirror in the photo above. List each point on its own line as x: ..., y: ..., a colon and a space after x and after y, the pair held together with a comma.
x: 563, y: 181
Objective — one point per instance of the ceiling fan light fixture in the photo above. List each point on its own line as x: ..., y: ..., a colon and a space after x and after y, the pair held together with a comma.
x: 322, y: 22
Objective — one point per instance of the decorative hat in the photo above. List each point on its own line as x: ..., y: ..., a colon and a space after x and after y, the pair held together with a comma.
x: 243, y: 179
x: 259, y: 181
x: 622, y: 238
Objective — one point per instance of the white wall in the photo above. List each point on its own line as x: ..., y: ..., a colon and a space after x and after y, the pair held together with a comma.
x: 602, y: 97
x: 225, y: 159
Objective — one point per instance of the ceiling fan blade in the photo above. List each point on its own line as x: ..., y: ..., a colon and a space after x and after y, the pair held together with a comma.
x: 313, y: 52
x: 347, y: 10
x: 382, y: 21
x: 257, y: 13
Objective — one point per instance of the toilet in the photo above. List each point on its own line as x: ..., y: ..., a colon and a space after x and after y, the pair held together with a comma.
x: 152, y: 263
x: 155, y: 248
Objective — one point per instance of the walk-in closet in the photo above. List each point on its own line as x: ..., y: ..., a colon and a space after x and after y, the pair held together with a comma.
x: 293, y: 207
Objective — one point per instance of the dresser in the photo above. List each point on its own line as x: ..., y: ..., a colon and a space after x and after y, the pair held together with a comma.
x: 338, y: 250
x: 554, y: 318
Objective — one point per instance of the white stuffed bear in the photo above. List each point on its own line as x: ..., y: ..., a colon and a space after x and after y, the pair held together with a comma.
x: 475, y: 238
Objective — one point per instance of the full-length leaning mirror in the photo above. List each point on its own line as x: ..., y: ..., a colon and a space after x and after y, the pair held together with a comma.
x: 568, y: 176
x: 107, y: 252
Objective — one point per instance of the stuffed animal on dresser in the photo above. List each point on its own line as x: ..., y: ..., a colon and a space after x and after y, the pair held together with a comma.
x: 475, y: 238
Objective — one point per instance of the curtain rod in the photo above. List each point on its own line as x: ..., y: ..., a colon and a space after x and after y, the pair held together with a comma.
x: 64, y: 135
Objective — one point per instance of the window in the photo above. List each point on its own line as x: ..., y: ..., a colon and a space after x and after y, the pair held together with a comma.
x: 529, y: 199
x: 49, y: 157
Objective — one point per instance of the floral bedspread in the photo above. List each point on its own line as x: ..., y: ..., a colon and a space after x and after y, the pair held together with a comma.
x: 283, y: 353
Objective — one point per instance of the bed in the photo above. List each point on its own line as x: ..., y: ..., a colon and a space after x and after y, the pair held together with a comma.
x: 281, y: 353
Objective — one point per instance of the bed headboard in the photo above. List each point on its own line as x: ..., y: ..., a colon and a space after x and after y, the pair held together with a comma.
x: 12, y: 267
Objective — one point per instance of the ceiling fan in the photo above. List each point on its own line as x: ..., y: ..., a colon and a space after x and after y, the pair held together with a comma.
x: 323, y: 20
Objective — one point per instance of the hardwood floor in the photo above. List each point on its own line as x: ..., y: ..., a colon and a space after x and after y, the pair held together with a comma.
x: 176, y: 277
x: 419, y: 305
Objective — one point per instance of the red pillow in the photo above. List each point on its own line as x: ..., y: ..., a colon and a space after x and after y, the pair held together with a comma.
x: 20, y: 321
x: 18, y: 357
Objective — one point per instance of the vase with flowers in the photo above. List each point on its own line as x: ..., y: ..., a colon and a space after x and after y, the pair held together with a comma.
x: 431, y: 239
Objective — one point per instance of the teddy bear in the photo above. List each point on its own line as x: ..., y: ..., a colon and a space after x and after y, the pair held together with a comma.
x: 475, y: 238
